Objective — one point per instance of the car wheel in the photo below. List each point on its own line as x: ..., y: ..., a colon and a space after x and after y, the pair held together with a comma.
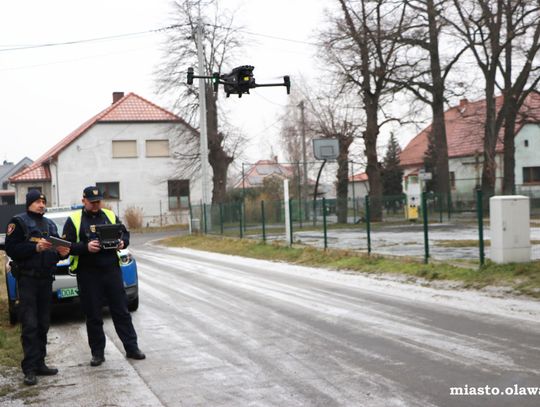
x: 133, y: 304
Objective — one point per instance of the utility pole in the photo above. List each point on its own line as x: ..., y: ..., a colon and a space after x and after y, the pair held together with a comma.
x: 304, y: 156
x: 203, y: 129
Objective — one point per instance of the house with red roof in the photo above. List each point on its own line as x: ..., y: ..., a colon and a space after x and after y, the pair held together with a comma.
x: 254, y: 176
x: 465, y: 135
x: 358, y: 186
x: 128, y: 151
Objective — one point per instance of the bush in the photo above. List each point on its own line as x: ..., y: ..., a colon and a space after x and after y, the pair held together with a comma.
x: 134, y: 217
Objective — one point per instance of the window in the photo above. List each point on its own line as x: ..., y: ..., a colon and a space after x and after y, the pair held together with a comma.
x: 531, y: 175
x: 452, y: 180
x: 38, y: 188
x: 110, y: 190
x: 157, y: 148
x: 124, y: 148
x: 178, y: 194
x: 526, y: 143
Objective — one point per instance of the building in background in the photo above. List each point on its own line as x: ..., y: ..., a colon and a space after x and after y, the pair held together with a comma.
x: 128, y: 151
x: 7, y: 170
x: 465, y: 134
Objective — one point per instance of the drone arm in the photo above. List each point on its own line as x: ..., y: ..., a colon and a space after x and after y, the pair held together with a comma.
x: 286, y: 83
x: 191, y: 75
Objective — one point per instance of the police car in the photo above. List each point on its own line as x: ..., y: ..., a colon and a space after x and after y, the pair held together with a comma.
x: 64, y: 288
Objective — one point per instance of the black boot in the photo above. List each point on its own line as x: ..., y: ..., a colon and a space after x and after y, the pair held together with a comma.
x: 45, y: 370
x: 97, y: 360
x: 30, y: 378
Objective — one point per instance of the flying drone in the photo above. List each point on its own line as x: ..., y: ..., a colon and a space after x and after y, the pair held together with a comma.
x: 239, y: 81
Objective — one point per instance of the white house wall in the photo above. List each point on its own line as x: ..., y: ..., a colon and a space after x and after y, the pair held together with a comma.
x: 142, y: 180
x: 527, y: 156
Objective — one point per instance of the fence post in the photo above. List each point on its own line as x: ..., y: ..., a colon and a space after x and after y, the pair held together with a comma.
x: 160, y: 215
x: 263, y: 222
x: 425, y: 219
x: 368, y: 224
x: 440, y: 208
x: 324, y: 223
x: 190, y: 220
x: 204, y: 218
x: 240, y: 219
x: 290, y: 222
x: 449, y: 204
x: 480, y: 216
x: 221, y: 217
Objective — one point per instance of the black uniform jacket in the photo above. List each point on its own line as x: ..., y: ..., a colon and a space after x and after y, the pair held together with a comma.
x: 104, y: 260
x: 22, y: 234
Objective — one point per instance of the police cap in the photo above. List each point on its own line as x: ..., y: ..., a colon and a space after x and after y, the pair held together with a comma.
x: 92, y: 193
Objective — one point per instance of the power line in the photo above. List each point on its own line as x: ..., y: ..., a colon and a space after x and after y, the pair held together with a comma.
x: 138, y: 33
x: 83, y: 41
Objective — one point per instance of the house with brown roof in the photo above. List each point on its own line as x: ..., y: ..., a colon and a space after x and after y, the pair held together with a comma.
x: 465, y: 134
x: 358, y: 186
x: 254, y: 176
x: 128, y: 151
x: 7, y: 170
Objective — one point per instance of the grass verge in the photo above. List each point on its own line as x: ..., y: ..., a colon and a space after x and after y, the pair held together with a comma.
x: 521, y: 279
x: 469, y: 243
x: 10, y: 336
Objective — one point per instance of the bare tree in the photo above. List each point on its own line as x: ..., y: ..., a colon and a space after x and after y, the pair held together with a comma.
x: 220, y: 40
x: 426, y: 78
x: 363, y: 45
x: 494, y: 30
x: 335, y: 117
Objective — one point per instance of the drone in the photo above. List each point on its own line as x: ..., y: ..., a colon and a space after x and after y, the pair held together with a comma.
x: 239, y: 81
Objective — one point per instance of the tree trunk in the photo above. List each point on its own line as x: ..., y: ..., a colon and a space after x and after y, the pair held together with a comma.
x: 218, y: 158
x: 342, y: 183
x: 438, y: 127
x: 489, y: 167
x: 373, y: 169
x: 509, y: 181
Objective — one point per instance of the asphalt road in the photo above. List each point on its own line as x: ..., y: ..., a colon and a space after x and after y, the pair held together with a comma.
x: 227, y: 331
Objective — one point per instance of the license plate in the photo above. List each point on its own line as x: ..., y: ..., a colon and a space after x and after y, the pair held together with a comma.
x: 67, y: 292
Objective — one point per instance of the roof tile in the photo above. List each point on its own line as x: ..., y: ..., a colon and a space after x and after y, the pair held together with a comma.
x: 130, y: 108
x: 465, y: 130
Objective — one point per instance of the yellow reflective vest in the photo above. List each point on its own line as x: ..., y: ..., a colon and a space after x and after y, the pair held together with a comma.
x: 76, y: 218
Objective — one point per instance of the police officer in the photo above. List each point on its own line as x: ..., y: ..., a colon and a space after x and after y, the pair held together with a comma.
x: 33, y: 263
x: 99, y: 276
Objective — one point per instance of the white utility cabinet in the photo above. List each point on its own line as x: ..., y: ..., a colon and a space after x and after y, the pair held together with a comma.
x: 509, y: 218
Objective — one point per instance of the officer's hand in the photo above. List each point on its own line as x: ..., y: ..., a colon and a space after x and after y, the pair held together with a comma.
x: 93, y: 246
x: 42, y: 245
x: 120, y: 245
x: 62, y: 250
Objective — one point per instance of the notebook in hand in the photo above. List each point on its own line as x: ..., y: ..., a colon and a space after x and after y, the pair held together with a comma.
x: 56, y: 241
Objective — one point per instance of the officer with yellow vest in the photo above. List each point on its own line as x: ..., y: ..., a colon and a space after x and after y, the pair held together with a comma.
x: 99, y: 276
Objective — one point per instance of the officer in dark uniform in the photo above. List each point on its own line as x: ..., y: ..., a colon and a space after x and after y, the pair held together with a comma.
x: 33, y: 264
x: 99, y: 276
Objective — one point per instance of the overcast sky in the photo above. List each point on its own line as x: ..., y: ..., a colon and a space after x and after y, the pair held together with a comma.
x: 46, y: 92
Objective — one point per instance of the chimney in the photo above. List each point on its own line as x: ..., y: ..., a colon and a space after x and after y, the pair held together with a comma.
x: 463, y: 103
x: 116, y: 96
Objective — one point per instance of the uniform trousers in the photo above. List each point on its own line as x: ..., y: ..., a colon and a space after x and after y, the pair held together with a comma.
x: 34, y: 313
x: 97, y: 288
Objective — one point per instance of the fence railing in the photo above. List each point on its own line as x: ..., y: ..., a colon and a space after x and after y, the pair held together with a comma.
x: 430, y: 229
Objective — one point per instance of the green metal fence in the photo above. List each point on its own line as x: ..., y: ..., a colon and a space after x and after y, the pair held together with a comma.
x: 430, y: 229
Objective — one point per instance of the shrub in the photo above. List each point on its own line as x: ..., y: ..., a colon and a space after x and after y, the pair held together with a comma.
x: 134, y: 217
